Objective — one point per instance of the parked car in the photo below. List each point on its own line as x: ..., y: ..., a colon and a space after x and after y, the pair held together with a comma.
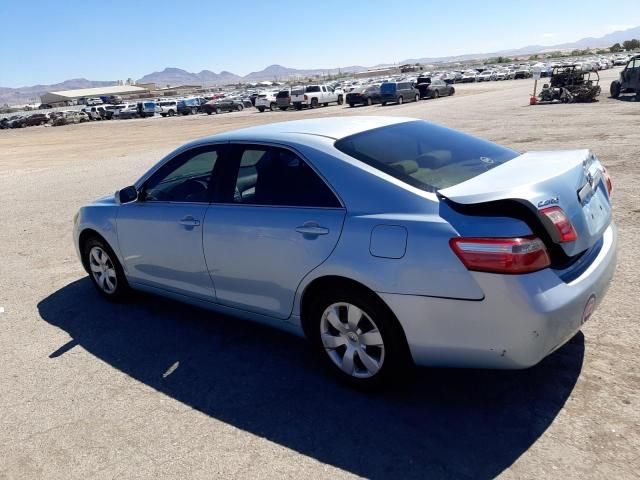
x: 129, y: 111
x: 437, y: 88
x: 486, y: 76
x: 512, y: 249
x: 168, y: 107
x: 16, y: 121
x: 93, y: 101
x: 36, y: 119
x: 398, y: 92
x: 98, y: 113
x: 188, y: 106
x: 283, y: 99
x: 266, y: 101
x: 224, y: 105
x: 522, y: 73
x: 469, y: 76
x: 312, y: 96
x: 148, y: 108
x: 363, y: 95
x: 629, y: 80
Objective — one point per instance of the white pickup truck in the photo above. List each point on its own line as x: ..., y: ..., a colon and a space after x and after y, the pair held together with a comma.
x: 313, y: 96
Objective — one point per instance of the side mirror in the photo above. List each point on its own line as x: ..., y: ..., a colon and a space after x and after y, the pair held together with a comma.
x: 126, y: 195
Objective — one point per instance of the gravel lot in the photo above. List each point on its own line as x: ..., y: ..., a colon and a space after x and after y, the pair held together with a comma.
x: 153, y: 389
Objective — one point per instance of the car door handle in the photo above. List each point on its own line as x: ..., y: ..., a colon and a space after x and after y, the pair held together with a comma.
x: 189, y: 222
x: 311, y: 228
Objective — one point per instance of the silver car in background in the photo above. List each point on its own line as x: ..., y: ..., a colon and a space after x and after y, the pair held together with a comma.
x: 384, y: 240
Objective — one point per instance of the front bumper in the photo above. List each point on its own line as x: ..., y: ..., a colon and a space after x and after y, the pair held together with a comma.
x: 521, y: 320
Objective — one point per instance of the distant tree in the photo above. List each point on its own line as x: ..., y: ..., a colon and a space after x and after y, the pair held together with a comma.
x: 534, y: 57
x: 631, y: 44
x: 616, y: 47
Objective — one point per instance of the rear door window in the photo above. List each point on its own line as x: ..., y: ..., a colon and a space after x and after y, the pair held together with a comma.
x: 278, y: 177
x: 424, y: 155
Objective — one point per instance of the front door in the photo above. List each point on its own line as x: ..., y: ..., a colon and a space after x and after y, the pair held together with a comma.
x: 277, y: 220
x: 160, y: 235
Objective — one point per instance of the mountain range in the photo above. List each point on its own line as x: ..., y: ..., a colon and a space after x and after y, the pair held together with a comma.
x: 177, y: 76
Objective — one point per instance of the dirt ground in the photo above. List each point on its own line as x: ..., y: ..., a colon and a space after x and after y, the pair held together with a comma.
x: 153, y: 389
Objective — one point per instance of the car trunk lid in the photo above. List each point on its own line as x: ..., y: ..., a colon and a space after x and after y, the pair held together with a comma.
x: 572, y: 180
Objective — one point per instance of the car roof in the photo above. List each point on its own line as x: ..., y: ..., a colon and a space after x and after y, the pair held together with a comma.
x: 331, y: 127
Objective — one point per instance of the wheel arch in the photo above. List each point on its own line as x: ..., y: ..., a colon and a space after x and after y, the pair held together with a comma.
x: 319, y: 284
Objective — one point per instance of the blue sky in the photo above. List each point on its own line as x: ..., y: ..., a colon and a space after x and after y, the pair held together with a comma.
x: 51, y: 41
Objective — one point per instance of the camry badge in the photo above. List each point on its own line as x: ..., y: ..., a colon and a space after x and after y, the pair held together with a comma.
x: 548, y: 201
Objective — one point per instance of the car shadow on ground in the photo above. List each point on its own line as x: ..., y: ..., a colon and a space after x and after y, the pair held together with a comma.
x: 443, y: 424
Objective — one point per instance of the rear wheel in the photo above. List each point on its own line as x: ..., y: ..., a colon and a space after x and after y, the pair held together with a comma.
x: 417, y: 98
x: 272, y: 107
x: 194, y: 111
x: 218, y: 110
x: 357, y: 336
x: 340, y: 99
x: 261, y: 109
x: 436, y: 94
x: 452, y: 91
x: 352, y: 105
x: 400, y: 100
x: 171, y: 113
x: 314, y: 103
x: 239, y: 108
x: 369, y: 101
x: 105, y: 270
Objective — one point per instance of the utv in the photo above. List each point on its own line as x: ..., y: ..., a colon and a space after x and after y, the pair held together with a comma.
x: 569, y: 84
x: 629, y: 81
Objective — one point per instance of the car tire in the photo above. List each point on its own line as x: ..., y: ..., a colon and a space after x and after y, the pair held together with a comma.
x: 261, y: 109
x: 163, y: 115
x: 383, y: 104
x: 171, y: 113
x: 358, y: 337
x: 272, y: 107
x: 218, y: 110
x: 452, y: 91
x: 352, y: 105
x: 369, y: 102
x: 104, y: 269
x: 615, y: 89
x: 239, y: 108
x: 340, y: 99
x: 400, y: 100
x: 314, y: 103
x: 436, y: 94
x: 417, y: 98
x: 282, y: 108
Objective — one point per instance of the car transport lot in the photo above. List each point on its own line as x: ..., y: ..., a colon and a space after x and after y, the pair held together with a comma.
x: 155, y: 389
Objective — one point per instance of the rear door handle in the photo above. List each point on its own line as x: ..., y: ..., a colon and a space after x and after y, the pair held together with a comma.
x: 189, y: 221
x: 312, y: 229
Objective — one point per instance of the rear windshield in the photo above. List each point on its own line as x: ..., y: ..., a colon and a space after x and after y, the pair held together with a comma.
x: 388, y: 88
x: 297, y: 91
x: 313, y: 89
x: 283, y: 94
x: 425, y: 155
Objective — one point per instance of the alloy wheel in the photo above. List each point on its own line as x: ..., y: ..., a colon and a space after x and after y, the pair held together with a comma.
x: 352, y: 340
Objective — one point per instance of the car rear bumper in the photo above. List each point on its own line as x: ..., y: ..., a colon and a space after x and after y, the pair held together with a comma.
x: 521, y: 320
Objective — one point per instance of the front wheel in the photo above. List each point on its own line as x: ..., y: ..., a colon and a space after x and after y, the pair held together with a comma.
x: 272, y: 107
x: 340, y: 99
x: 314, y: 103
x: 400, y: 100
x: 369, y: 102
x: 105, y: 270
x: 358, y: 337
x: 218, y: 111
x: 239, y: 108
x: 417, y: 98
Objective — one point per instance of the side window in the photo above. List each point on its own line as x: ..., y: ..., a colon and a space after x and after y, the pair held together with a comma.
x: 278, y: 177
x: 186, y: 178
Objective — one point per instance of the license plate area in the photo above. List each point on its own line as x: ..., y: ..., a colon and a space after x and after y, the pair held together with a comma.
x: 596, y: 212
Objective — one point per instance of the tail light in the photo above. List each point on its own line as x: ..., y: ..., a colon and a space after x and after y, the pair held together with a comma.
x: 501, y: 255
x: 607, y: 180
x: 561, y: 223
x: 306, y: 98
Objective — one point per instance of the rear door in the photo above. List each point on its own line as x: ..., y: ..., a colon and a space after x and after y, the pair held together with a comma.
x: 275, y: 221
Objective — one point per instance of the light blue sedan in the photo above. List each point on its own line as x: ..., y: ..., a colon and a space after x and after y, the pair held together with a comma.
x: 384, y: 240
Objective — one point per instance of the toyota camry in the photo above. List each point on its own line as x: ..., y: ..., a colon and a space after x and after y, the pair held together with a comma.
x: 385, y: 241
